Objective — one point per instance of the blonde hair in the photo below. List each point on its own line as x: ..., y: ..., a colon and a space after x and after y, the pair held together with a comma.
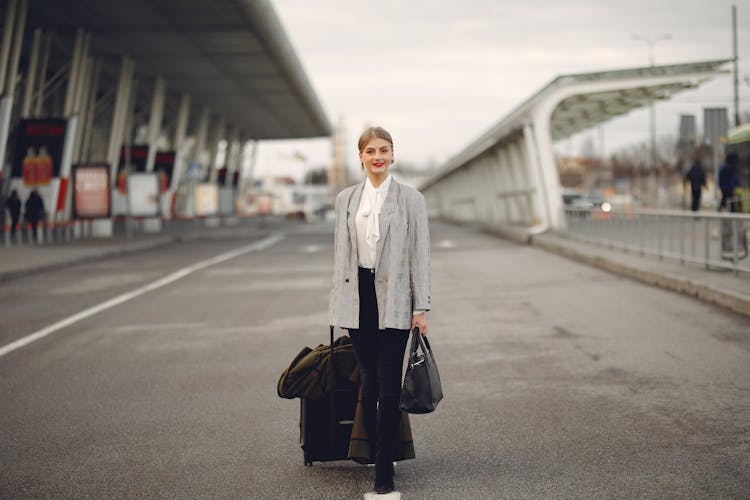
x: 371, y: 133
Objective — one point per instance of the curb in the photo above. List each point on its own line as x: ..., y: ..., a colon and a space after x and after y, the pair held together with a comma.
x: 119, y: 250
x: 701, y: 291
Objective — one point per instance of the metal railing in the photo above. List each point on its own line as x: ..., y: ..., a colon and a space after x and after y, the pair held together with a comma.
x: 715, y: 240
x: 61, y: 232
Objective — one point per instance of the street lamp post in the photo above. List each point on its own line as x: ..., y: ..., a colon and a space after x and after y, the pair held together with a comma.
x: 651, y: 41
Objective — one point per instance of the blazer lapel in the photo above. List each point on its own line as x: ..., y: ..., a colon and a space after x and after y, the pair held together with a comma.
x: 351, y: 213
x: 386, y: 216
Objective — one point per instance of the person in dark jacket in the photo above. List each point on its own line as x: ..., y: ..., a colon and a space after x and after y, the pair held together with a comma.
x: 13, y: 205
x: 728, y: 182
x: 33, y: 210
x: 697, y: 179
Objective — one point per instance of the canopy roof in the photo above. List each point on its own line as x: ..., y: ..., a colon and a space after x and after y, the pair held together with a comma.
x: 587, y: 110
x: 584, y: 100
x: 231, y: 55
x: 739, y: 134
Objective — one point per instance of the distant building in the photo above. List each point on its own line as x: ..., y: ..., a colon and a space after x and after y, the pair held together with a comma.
x: 283, y: 196
x: 337, y: 178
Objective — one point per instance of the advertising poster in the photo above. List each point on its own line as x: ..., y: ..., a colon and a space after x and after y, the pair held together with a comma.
x: 91, y: 191
x: 164, y: 166
x: 143, y: 194
x: 37, y: 158
x: 206, y: 199
x: 226, y: 201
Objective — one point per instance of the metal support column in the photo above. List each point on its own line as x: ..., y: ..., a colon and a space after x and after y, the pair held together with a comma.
x: 119, y: 116
x: 76, y: 79
x: 38, y: 103
x: 29, y: 86
x: 180, y: 132
x: 201, y: 136
x: 82, y: 105
x: 12, y: 74
x: 87, y: 116
x: 216, y: 137
x: 10, y: 19
x: 233, y: 151
x: 75, y: 72
x: 15, y: 23
x: 155, y: 119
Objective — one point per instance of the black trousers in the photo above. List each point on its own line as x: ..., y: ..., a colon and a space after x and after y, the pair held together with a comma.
x: 380, y: 355
x: 695, y: 196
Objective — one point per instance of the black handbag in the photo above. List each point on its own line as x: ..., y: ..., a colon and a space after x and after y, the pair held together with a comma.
x: 421, y: 391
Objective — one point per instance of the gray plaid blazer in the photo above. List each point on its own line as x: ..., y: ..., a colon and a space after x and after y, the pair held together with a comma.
x: 402, y: 259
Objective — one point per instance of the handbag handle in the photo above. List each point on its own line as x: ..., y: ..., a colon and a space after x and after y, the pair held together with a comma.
x: 421, y: 340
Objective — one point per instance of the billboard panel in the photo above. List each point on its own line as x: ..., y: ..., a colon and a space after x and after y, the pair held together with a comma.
x: 206, y: 199
x: 226, y: 201
x: 37, y: 158
x: 91, y: 191
x: 715, y: 125
x: 143, y: 194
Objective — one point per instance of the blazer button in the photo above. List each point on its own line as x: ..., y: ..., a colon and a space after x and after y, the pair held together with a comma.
x: 346, y: 280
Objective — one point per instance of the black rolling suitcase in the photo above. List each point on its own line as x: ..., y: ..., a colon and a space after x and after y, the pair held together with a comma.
x: 326, y: 424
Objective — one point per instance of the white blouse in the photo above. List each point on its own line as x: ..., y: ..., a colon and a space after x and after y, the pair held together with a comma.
x: 367, y: 221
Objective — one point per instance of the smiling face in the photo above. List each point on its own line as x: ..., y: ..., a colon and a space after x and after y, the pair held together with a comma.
x: 376, y: 157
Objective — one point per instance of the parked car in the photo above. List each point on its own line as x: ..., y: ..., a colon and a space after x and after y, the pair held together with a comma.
x: 578, y: 200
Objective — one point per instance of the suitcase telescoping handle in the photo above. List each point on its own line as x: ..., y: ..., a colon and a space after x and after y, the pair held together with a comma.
x: 332, y: 429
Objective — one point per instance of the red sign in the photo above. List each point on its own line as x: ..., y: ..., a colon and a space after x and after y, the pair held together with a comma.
x: 61, y: 194
x: 38, y: 151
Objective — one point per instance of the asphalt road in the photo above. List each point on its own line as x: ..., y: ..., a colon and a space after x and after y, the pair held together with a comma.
x: 561, y: 381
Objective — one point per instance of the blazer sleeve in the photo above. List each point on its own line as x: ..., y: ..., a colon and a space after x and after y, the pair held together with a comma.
x: 419, y: 258
x: 336, y: 236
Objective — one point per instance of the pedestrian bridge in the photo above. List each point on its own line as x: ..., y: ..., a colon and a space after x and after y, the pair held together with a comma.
x: 507, y: 178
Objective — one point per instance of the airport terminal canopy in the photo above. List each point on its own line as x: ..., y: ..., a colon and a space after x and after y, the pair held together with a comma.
x: 584, y: 111
x: 575, y: 102
x: 230, y: 55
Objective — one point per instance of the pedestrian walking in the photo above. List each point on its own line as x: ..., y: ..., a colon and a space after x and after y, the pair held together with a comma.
x: 13, y: 206
x: 697, y: 179
x: 728, y: 182
x: 33, y: 211
x: 381, y: 287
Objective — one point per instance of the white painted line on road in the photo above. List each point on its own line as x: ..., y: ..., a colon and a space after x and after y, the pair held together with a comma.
x: 179, y: 274
x: 311, y: 248
x: 446, y: 244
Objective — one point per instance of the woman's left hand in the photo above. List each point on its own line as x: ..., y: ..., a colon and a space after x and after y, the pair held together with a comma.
x: 419, y: 321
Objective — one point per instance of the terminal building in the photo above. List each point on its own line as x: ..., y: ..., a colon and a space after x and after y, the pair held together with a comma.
x: 111, y: 108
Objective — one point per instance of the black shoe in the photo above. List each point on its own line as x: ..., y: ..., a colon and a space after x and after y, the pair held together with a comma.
x: 382, y: 489
x: 384, y: 477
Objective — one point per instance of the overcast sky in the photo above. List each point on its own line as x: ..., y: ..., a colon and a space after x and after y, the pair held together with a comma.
x: 438, y: 73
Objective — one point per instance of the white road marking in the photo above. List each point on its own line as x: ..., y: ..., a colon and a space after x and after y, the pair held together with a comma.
x: 311, y: 248
x: 179, y: 274
x: 446, y: 244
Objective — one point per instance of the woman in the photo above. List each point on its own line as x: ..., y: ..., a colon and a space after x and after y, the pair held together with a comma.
x: 381, y: 287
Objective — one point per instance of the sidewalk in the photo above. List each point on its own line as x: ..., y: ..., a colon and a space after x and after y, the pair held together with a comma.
x: 26, y: 259
x: 719, y: 287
